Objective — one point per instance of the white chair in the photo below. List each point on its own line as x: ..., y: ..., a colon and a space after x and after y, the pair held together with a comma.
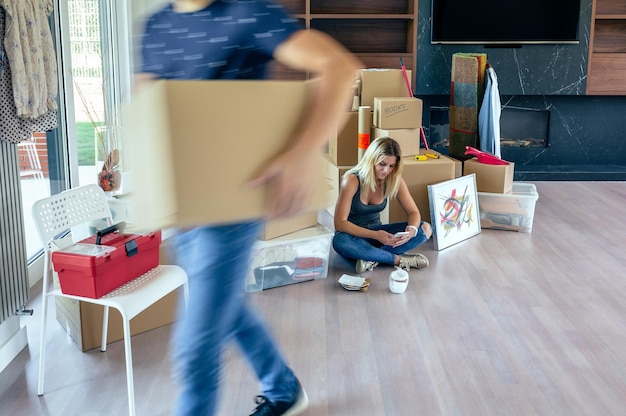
x: 54, y: 217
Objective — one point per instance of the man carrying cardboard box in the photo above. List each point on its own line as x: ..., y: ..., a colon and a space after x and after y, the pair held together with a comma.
x: 217, y: 39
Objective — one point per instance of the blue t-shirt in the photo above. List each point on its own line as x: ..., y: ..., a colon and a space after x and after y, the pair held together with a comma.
x: 225, y: 40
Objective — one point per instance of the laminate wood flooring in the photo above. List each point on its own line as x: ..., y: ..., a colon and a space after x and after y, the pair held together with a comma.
x: 504, y: 323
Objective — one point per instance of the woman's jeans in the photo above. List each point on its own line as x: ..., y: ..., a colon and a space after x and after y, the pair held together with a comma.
x: 356, y: 248
x: 216, y: 259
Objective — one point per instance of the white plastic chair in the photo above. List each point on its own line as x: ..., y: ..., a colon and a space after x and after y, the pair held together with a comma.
x: 55, y: 216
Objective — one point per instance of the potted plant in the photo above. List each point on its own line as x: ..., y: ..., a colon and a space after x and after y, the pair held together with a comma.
x: 109, y: 175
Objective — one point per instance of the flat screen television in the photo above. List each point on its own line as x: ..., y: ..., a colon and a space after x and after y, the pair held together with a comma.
x: 504, y: 21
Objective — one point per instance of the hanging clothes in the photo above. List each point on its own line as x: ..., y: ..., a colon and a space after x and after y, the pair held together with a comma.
x: 489, y: 116
x: 1, y: 59
x: 466, y: 95
x: 15, y: 129
x: 30, y: 52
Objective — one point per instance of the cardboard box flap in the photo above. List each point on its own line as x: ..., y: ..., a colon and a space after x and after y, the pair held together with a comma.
x: 382, y: 82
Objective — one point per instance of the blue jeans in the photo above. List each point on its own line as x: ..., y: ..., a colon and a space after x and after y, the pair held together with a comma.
x: 216, y: 258
x: 355, y: 248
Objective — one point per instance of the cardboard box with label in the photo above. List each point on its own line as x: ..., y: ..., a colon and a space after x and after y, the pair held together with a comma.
x: 194, y: 146
x: 408, y: 139
x: 382, y: 83
x: 491, y: 178
x: 418, y: 174
x: 343, y: 148
x: 397, y: 112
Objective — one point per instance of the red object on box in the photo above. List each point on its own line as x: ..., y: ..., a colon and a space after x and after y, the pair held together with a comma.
x: 93, y: 270
x: 484, y: 157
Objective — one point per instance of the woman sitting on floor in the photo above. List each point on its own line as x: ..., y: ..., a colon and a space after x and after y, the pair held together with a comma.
x: 364, y: 192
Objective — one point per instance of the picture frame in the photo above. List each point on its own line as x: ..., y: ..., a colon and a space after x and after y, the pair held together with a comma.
x: 454, y: 211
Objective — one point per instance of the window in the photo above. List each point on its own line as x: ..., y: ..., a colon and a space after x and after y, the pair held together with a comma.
x: 93, y: 55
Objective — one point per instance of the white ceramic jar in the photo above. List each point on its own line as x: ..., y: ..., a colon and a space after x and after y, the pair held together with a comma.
x: 398, y: 281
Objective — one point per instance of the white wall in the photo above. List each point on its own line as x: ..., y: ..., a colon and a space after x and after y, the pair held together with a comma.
x: 13, y: 339
x: 12, y: 335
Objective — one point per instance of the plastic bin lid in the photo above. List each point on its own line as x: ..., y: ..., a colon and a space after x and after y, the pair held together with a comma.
x: 85, y: 249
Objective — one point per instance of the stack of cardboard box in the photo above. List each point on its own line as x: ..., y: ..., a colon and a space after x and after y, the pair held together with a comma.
x: 397, y: 116
x: 342, y: 155
x: 401, y: 119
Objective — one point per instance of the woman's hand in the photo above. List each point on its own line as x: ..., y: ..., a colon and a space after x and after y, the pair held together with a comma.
x: 389, y: 239
x: 404, y: 238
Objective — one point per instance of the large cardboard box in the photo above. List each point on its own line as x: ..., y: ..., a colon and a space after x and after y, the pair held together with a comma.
x: 397, y: 112
x: 83, y: 321
x: 418, y: 174
x: 490, y: 178
x: 195, y: 145
x: 382, y: 83
x: 343, y: 148
x: 333, y: 174
x: 276, y: 228
x: 408, y: 139
x: 458, y: 167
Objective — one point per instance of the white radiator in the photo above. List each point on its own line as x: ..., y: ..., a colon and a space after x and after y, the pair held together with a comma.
x: 13, y: 260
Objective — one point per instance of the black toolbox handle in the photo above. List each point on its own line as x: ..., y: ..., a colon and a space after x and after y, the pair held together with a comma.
x: 108, y: 230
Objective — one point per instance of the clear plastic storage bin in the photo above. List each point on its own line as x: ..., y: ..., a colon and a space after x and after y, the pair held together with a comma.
x: 514, y: 211
x: 293, y: 258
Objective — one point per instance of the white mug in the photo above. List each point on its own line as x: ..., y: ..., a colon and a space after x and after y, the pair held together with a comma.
x: 398, y: 281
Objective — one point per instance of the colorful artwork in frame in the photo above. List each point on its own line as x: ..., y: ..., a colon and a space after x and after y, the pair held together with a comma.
x: 454, y: 211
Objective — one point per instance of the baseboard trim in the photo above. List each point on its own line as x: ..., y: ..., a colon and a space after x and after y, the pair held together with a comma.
x: 16, y: 340
x: 569, y: 173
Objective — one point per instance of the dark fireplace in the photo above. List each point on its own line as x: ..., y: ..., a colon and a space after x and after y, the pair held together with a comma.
x: 519, y: 127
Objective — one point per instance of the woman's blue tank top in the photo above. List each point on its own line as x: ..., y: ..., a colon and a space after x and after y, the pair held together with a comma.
x: 362, y: 214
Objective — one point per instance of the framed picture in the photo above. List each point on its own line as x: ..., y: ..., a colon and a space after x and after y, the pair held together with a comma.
x: 454, y: 211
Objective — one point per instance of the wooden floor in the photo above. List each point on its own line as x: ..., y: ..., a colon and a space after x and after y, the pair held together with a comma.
x: 504, y: 323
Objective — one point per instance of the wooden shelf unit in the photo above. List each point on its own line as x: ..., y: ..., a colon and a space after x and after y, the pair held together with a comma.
x: 378, y: 32
x: 606, y: 71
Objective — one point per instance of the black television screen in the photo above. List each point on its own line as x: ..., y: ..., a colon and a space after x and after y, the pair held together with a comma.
x: 504, y: 21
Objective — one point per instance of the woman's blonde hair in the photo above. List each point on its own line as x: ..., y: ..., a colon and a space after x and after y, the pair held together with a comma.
x: 375, y: 153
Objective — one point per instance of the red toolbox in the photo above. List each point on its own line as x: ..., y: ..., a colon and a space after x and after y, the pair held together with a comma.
x: 103, y: 262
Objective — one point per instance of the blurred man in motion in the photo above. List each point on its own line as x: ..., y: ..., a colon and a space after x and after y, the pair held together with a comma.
x: 221, y: 39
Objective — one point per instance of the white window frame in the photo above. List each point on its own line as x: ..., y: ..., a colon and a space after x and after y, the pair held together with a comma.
x: 116, y: 42
x: 116, y: 46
